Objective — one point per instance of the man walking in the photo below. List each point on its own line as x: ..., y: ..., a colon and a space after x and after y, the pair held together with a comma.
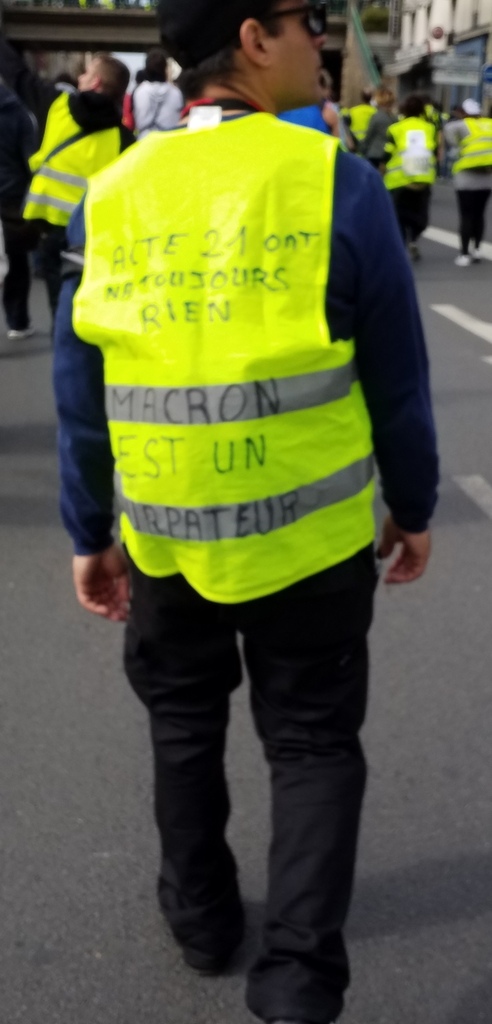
x: 248, y: 317
x: 83, y: 134
x: 411, y: 167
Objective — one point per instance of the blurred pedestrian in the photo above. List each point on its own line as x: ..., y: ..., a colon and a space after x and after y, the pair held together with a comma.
x: 35, y: 92
x: 433, y: 114
x: 450, y: 148
x: 322, y: 116
x: 4, y: 263
x: 128, y: 118
x: 18, y: 143
x: 410, y: 157
x: 373, y: 145
x: 360, y: 116
x: 471, y: 136
x: 83, y: 134
x: 157, y: 102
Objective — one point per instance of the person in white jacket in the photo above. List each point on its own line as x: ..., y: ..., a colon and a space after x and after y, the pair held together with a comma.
x: 157, y: 103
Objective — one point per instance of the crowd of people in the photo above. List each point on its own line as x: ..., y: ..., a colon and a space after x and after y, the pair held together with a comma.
x: 410, y: 144
x: 55, y: 137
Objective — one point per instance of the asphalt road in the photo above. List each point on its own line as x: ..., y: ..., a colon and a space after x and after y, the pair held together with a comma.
x: 81, y: 939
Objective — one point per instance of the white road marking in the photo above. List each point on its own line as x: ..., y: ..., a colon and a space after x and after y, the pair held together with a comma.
x: 481, y: 328
x: 450, y: 239
x: 478, y: 490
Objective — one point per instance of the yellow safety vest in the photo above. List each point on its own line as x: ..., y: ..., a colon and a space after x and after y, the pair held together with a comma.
x: 434, y: 118
x: 476, y: 150
x: 360, y: 118
x: 67, y: 158
x: 239, y: 429
x: 411, y: 143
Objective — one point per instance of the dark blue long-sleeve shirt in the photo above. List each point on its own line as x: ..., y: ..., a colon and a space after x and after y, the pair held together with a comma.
x: 370, y: 297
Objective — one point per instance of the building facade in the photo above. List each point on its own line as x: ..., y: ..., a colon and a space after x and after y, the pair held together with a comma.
x: 443, y: 45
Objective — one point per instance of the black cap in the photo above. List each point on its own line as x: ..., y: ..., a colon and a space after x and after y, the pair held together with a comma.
x: 193, y: 30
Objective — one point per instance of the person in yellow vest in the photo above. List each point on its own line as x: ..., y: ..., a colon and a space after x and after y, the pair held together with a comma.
x: 360, y: 116
x: 83, y: 134
x: 244, y: 338
x: 372, y: 148
x: 410, y: 157
x: 434, y: 116
x: 471, y: 136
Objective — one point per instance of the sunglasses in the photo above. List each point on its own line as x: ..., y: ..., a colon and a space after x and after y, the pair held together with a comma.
x: 313, y: 20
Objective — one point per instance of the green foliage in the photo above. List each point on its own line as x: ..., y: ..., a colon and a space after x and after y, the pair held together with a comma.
x: 375, y: 19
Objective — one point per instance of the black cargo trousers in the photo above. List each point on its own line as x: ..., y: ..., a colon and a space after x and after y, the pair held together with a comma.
x: 306, y: 653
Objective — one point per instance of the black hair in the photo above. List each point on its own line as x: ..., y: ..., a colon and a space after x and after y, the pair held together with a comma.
x: 221, y: 65
x: 412, y: 106
x: 156, y: 65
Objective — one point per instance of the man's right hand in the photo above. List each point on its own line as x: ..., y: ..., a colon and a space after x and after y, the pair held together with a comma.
x: 413, y: 555
x: 102, y: 583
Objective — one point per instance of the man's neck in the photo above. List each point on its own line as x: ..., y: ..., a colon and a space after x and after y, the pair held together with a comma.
x: 245, y: 93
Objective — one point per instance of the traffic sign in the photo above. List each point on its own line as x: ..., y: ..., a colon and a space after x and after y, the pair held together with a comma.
x: 457, y: 62
x: 456, y: 69
x: 487, y: 74
x: 470, y: 78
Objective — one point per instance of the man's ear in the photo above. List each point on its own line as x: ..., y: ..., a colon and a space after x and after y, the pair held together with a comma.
x: 256, y: 42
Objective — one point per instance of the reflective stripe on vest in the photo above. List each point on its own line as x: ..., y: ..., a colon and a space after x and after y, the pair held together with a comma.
x: 475, y: 151
x: 240, y: 434
x: 57, y: 204
x: 399, y: 169
x: 66, y: 179
x: 231, y: 403
x: 237, y: 522
x: 58, y: 186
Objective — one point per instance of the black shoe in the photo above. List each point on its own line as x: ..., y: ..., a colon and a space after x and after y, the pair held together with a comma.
x: 211, y: 964
x: 206, y: 964
x: 224, y: 932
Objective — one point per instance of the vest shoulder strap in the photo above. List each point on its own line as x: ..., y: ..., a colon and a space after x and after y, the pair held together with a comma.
x: 65, y: 145
x: 68, y: 142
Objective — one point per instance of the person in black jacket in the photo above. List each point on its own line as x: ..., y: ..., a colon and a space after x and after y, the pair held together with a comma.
x: 18, y: 143
x: 35, y: 92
